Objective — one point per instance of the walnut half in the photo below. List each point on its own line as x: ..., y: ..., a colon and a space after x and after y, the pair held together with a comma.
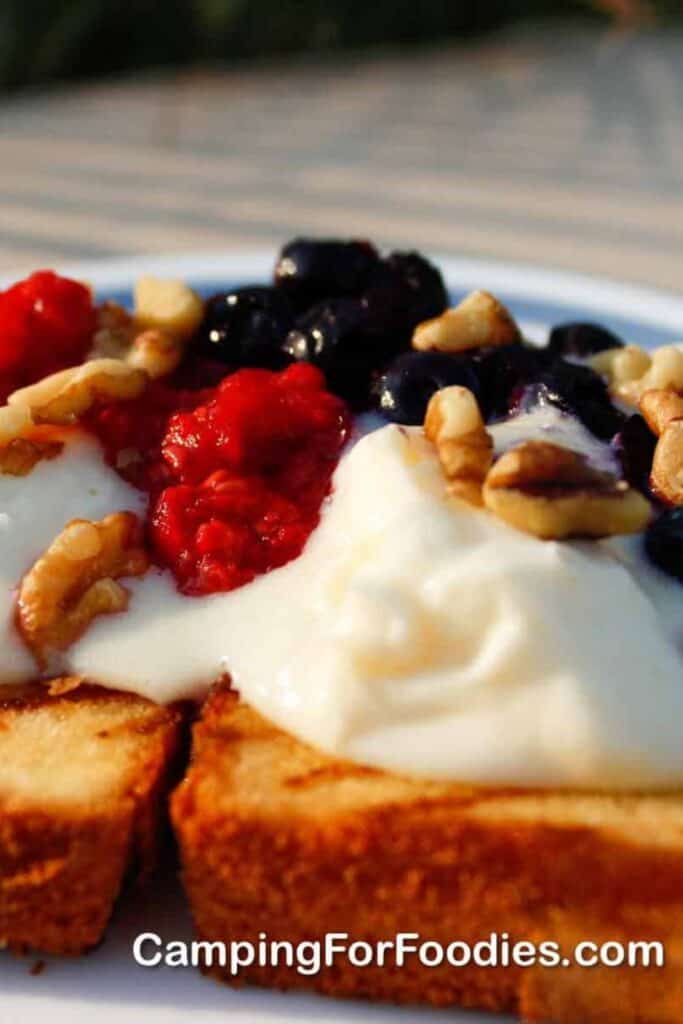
x: 663, y: 411
x: 553, y: 493
x: 666, y: 478
x: 156, y: 350
x: 15, y: 421
x: 631, y: 371
x: 480, y: 319
x: 167, y: 305
x: 455, y: 426
x: 660, y: 407
x: 75, y: 580
x: 21, y: 454
x: 63, y: 397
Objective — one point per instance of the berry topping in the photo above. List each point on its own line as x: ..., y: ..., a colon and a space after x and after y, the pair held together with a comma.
x: 581, y: 339
x: 504, y: 371
x: 250, y: 469
x: 664, y: 542
x: 635, y: 447
x: 404, y: 290
x: 246, y: 327
x: 310, y: 270
x: 403, y: 392
x: 576, y: 390
x: 131, y: 432
x: 367, y: 317
x: 46, y: 324
x: 340, y: 338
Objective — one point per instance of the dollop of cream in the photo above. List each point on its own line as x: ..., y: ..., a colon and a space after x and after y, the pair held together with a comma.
x: 547, y: 423
x: 33, y: 511
x: 420, y: 635
x: 414, y: 633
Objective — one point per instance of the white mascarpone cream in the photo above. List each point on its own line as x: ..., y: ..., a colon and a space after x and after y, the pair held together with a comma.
x: 547, y: 423
x: 414, y: 633
x: 33, y: 511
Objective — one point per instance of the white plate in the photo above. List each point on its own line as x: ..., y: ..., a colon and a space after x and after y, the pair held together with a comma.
x: 107, y: 986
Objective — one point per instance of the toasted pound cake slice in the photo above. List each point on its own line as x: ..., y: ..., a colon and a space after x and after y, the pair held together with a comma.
x: 278, y: 838
x: 83, y: 779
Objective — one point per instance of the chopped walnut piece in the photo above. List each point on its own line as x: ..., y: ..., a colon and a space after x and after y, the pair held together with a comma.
x: 663, y: 411
x: 170, y: 306
x: 455, y: 426
x: 621, y: 366
x: 114, y: 333
x: 631, y: 371
x: 156, y: 352
x: 15, y: 421
x: 553, y: 493
x: 666, y: 369
x: 64, y: 684
x: 113, y: 316
x: 63, y: 397
x: 480, y: 319
x: 666, y: 478
x: 659, y: 407
x: 59, y: 399
x: 20, y: 456
x: 75, y: 580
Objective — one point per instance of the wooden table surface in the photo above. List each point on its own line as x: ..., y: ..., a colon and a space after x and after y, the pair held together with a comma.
x: 559, y: 148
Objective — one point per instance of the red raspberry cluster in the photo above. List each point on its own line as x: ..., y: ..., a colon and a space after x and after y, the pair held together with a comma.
x: 251, y: 468
x: 236, y: 473
x: 46, y: 324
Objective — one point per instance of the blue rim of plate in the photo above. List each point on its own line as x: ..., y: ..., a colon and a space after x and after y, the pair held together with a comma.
x: 536, y: 295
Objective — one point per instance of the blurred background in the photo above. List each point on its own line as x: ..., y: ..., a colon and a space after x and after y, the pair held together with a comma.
x: 546, y: 131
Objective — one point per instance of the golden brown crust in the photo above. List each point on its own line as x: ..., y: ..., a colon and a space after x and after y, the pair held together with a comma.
x: 82, y: 782
x: 606, y: 995
x: 279, y: 838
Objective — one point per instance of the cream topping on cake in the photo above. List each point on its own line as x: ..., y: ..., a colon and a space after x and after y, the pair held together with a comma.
x: 34, y: 509
x: 414, y: 633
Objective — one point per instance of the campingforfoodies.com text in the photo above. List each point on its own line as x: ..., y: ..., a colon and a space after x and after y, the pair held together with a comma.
x: 311, y: 956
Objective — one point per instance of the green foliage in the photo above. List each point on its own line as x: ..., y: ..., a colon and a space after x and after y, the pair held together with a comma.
x: 47, y: 39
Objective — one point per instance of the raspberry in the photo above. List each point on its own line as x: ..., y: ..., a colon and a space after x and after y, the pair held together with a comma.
x: 14, y: 335
x: 236, y: 473
x: 131, y: 432
x: 46, y: 324
x: 251, y: 468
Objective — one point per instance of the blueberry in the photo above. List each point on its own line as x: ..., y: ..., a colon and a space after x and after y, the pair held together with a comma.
x: 310, y: 270
x: 404, y: 289
x: 635, y: 447
x: 246, y: 327
x: 338, y: 337
x: 578, y: 391
x: 664, y: 542
x: 581, y: 339
x: 503, y: 372
x: 404, y: 389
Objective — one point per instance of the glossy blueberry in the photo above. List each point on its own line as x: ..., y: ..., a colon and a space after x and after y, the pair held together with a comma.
x: 404, y: 290
x: 503, y: 372
x: 576, y: 390
x: 581, y: 339
x: 310, y: 270
x: 404, y: 389
x: 338, y: 337
x: 635, y: 447
x: 327, y: 330
x: 246, y: 327
x: 664, y: 542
